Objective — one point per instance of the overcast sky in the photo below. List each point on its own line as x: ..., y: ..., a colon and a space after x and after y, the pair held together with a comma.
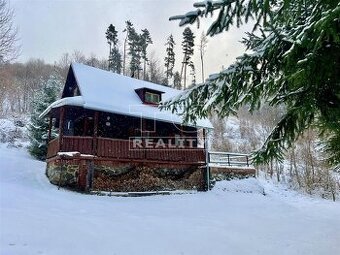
x: 49, y: 28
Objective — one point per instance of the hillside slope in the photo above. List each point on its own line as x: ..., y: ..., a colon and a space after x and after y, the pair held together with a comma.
x: 234, y: 218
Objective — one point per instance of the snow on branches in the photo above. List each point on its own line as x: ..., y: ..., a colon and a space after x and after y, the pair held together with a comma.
x: 292, y: 58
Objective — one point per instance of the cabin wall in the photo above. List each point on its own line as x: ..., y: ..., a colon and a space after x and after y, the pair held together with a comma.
x: 80, y: 122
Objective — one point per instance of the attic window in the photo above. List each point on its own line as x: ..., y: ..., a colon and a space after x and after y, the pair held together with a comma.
x: 149, y: 96
x: 152, y: 98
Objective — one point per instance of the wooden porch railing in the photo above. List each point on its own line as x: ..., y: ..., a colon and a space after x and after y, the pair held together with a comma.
x: 123, y: 149
x: 83, y: 144
x: 117, y: 148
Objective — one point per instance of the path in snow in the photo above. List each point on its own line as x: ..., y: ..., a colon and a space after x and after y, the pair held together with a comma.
x: 234, y: 218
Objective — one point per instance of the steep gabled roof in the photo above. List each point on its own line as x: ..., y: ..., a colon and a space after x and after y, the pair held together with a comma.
x: 109, y: 92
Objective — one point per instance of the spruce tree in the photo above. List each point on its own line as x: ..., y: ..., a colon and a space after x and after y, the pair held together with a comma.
x: 188, y: 50
x: 170, y: 58
x: 292, y: 59
x: 38, y: 128
x: 115, y: 58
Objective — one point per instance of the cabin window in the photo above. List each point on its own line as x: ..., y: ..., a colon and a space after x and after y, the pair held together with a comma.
x: 152, y: 98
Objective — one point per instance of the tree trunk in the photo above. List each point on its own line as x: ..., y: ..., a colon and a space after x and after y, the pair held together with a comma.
x: 182, y: 70
x: 167, y: 74
x: 110, y: 60
x: 202, y: 66
x: 295, y: 168
x: 144, y: 71
x: 185, y: 77
x: 124, y: 54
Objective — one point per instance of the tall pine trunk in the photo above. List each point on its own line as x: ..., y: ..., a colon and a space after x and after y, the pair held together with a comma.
x: 124, y: 53
x: 182, y: 69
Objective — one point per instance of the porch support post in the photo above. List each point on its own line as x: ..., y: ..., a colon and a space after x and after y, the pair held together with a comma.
x: 95, y: 132
x: 61, y: 127
x: 205, y: 137
x: 49, y: 128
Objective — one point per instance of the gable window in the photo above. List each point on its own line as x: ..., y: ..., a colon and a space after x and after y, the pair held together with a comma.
x: 152, y: 98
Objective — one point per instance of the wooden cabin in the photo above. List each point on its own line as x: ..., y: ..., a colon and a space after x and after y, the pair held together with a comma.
x: 112, y: 136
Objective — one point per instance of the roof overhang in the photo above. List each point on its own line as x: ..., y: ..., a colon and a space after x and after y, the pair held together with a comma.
x: 78, y: 101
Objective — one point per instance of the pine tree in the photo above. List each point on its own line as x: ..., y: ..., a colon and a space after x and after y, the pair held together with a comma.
x: 116, y: 61
x: 188, y: 50
x: 293, y: 60
x: 145, y: 40
x: 128, y: 28
x: 135, y: 51
x: 38, y: 128
x: 115, y: 58
x: 111, y: 36
x: 170, y: 58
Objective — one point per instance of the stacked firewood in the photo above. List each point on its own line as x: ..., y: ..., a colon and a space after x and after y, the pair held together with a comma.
x: 145, y: 179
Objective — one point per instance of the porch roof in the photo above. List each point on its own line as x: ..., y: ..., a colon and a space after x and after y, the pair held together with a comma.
x: 109, y: 92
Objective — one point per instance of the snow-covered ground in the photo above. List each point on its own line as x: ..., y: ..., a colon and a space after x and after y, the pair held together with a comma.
x: 234, y: 218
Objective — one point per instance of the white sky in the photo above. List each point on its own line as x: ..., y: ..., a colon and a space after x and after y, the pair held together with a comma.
x: 49, y: 28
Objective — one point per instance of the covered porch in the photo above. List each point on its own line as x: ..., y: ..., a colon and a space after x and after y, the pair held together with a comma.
x: 111, y: 136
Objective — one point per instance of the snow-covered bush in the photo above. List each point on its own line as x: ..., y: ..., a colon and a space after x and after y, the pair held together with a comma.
x: 13, y: 131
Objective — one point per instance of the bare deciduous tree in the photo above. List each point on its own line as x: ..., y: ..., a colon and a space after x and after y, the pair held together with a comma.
x: 155, y: 73
x: 8, y: 34
x: 202, y: 47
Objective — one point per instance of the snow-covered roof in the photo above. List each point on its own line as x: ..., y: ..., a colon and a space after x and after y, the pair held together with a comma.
x: 110, y: 92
